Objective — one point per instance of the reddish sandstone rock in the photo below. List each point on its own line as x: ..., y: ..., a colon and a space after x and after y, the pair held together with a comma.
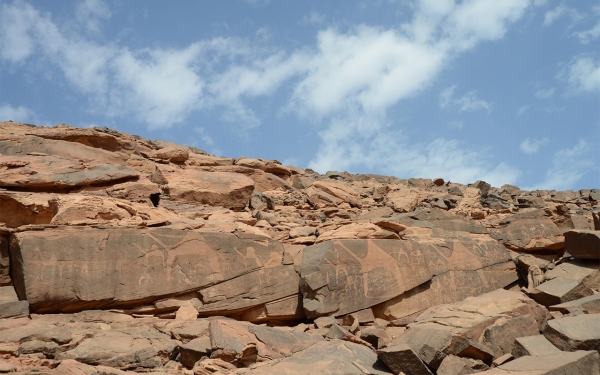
x: 127, y: 266
x: 344, y: 276
x: 230, y: 190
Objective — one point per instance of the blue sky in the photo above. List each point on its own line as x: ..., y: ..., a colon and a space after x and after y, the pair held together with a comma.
x: 504, y: 91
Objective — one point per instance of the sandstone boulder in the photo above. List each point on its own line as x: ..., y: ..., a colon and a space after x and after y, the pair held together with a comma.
x: 536, y: 345
x: 230, y: 190
x: 583, y: 243
x: 575, y: 333
x: 125, y: 267
x: 345, y: 276
x: 51, y: 173
x: 530, y: 235
x: 579, y: 362
x: 480, y: 327
x: 326, y: 357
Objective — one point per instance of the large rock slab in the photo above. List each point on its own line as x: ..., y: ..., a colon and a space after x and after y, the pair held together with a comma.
x: 536, y: 345
x: 230, y: 190
x: 480, y: 327
x: 530, y: 235
x: 576, y: 363
x: 402, y: 359
x: 251, y: 289
x: 123, y: 349
x: 10, y: 306
x: 586, y: 305
x: 230, y: 341
x: 343, y: 276
x: 580, y: 332
x: 69, y: 270
x: 334, y: 357
x: 17, y: 208
x: 49, y: 173
x: 583, y: 243
x: 448, y: 287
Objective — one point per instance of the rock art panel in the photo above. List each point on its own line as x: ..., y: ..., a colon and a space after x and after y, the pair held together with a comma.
x: 343, y: 276
x: 67, y: 270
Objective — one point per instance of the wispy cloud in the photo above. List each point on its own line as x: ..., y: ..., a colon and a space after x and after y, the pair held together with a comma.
x: 468, y: 102
x: 569, y: 165
x: 544, y: 93
x: 582, y: 74
x: 314, y: 18
x: 91, y: 13
x: 555, y: 14
x: 457, y: 124
x: 344, y: 84
x: 17, y: 114
x: 531, y: 146
x: 523, y: 109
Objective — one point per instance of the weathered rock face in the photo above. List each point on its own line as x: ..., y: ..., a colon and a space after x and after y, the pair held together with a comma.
x: 583, y: 243
x: 341, y: 277
x: 575, y: 333
x: 230, y: 190
x: 82, y: 269
x: 179, y: 252
x: 50, y: 173
x: 480, y: 327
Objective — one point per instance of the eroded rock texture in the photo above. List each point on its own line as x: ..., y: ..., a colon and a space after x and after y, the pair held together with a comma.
x: 123, y: 255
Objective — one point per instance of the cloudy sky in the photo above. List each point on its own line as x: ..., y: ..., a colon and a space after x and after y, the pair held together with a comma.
x: 505, y: 91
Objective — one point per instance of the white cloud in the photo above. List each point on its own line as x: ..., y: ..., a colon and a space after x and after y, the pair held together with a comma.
x: 160, y: 86
x: 90, y: 13
x: 457, y: 124
x: 553, y: 15
x: 569, y: 165
x: 531, y: 146
x: 17, y: 114
x: 582, y: 74
x: 313, y: 18
x: 468, y: 102
x: 544, y: 93
x: 363, y: 143
x: 346, y: 83
x: 15, y: 23
x: 589, y: 35
x: 522, y: 110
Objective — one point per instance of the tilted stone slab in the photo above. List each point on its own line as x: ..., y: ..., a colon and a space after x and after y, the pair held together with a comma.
x: 530, y: 235
x: 343, y: 276
x: 69, y: 270
x: 580, y: 332
x: 449, y: 287
x: 587, y: 305
x: 565, y: 363
x: 251, y: 289
x: 583, y: 243
x: 50, y: 173
x: 492, y: 321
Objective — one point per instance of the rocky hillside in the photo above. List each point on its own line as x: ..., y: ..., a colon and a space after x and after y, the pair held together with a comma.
x: 121, y: 254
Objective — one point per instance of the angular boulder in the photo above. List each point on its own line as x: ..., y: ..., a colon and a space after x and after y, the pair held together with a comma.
x: 583, y: 244
x: 530, y: 235
x: 576, y: 363
x: 480, y: 327
x: 230, y: 190
x: 580, y: 332
x: 71, y: 270
x: 50, y: 173
x: 343, y: 276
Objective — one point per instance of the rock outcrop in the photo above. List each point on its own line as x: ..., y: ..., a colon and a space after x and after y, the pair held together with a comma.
x: 122, y: 255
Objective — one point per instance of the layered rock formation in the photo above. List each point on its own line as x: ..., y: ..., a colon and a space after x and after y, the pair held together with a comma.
x: 121, y: 254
